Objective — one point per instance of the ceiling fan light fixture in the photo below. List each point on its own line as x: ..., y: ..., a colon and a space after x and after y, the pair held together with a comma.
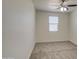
x: 63, y: 9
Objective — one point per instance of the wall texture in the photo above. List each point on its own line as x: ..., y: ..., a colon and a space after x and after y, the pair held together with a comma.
x: 43, y: 35
x: 18, y: 29
x: 73, y: 26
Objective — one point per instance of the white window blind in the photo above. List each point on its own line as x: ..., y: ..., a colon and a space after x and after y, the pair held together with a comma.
x: 53, y: 23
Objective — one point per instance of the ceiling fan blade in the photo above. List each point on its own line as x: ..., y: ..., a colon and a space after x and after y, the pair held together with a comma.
x: 72, y: 5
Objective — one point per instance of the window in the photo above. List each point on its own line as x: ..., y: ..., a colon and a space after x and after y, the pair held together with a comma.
x: 53, y: 23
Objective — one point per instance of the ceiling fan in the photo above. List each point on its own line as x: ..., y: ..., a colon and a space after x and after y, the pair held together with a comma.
x: 65, y: 7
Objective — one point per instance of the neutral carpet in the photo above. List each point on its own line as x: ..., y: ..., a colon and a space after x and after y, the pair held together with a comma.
x: 54, y: 50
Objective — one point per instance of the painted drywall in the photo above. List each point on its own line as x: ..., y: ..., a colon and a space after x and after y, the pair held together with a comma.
x: 73, y: 26
x: 43, y: 35
x: 18, y: 29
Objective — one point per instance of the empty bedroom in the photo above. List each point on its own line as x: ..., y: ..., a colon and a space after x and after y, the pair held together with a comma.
x: 39, y: 29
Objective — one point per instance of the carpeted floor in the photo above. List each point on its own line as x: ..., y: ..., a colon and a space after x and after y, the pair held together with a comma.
x: 55, y: 50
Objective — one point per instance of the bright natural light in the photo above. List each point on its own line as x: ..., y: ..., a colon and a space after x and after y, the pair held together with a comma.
x: 53, y: 23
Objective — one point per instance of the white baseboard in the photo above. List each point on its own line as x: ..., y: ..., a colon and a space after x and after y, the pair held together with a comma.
x: 50, y: 41
x: 32, y: 50
x: 73, y: 43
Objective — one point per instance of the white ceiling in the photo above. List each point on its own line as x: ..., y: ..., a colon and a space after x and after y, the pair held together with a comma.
x: 52, y: 5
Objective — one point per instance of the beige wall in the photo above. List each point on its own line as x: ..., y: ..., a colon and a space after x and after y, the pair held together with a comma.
x: 73, y: 26
x: 43, y: 35
x: 18, y: 29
